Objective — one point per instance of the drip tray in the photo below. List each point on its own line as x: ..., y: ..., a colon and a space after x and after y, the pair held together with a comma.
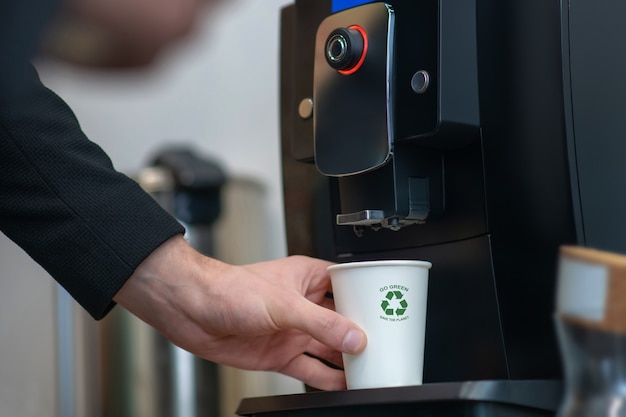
x: 463, y: 399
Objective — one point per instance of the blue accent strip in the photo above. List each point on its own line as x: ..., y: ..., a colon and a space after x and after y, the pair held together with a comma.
x: 339, y: 5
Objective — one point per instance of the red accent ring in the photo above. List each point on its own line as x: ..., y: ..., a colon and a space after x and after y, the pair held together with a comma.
x: 362, y: 58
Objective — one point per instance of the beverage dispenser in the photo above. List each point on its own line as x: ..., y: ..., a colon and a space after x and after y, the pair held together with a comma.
x: 468, y: 133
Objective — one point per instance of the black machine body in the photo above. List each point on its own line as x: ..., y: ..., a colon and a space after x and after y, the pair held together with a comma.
x: 479, y: 135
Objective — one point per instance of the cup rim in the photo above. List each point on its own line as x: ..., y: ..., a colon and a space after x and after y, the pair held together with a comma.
x: 369, y: 264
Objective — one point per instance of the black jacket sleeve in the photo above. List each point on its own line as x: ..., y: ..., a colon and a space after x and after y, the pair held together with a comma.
x: 62, y: 201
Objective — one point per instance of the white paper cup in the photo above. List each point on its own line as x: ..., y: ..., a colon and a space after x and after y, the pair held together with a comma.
x: 388, y: 300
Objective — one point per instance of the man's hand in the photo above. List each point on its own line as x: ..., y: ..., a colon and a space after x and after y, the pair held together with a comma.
x: 266, y: 316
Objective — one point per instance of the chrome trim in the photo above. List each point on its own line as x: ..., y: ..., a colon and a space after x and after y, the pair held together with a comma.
x: 361, y: 218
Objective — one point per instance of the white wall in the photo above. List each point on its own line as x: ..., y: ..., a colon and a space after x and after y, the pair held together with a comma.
x: 218, y: 92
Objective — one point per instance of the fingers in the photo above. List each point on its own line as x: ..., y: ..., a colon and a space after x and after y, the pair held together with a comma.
x: 315, y: 374
x: 326, y: 326
x: 321, y: 321
x: 328, y: 303
x: 324, y: 353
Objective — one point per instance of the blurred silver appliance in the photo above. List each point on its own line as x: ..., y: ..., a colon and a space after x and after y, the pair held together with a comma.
x: 143, y: 374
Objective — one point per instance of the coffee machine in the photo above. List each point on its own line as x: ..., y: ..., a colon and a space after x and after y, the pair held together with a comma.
x: 479, y: 135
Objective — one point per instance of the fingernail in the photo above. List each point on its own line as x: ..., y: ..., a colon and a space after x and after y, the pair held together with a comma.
x: 353, y: 340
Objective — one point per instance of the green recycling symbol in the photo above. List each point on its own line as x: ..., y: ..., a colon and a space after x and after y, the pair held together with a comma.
x: 394, y: 303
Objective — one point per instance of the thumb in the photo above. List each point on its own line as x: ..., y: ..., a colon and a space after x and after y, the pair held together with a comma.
x: 328, y: 327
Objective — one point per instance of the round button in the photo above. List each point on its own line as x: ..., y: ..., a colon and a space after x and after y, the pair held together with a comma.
x: 420, y: 81
x: 344, y: 48
x: 305, y: 108
x: 337, y: 48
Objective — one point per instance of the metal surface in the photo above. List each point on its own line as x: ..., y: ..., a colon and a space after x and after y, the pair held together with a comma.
x: 145, y: 374
x: 365, y: 217
x: 305, y: 108
x: 65, y: 354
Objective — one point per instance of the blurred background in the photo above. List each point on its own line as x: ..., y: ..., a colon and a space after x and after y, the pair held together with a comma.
x: 215, y: 91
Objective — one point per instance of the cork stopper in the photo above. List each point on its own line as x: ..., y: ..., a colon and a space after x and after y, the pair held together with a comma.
x: 591, y: 288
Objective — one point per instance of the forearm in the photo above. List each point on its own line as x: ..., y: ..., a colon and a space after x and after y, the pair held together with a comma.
x: 265, y: 316
x: 158, y: 290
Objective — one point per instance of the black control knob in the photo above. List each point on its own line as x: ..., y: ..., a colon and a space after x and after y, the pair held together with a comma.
x: 345, y: 48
